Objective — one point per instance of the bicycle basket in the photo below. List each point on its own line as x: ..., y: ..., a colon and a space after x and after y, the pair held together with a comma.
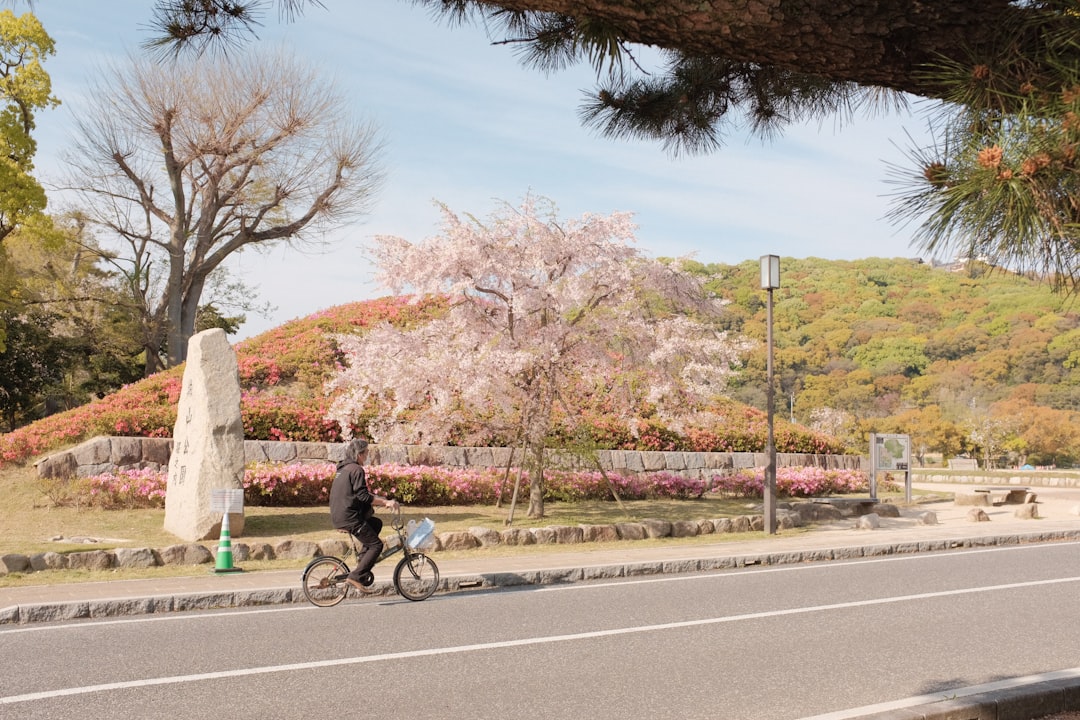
x: 422, y: 536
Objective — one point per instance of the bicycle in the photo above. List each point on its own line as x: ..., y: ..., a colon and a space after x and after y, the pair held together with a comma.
x: 416, y: 576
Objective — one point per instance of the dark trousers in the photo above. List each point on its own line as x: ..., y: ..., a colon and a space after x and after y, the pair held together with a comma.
x: 371, y: 546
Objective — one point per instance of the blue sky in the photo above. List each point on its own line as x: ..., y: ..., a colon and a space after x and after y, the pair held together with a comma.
x: 463, y: 123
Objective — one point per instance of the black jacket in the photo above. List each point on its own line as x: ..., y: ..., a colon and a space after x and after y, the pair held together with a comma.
x: 350, y: 499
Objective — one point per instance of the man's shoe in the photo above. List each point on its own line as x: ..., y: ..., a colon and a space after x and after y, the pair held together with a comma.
x: 367, y: 578
x: 359, y: 584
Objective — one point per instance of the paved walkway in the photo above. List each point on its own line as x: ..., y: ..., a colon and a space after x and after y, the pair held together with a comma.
x: 1059, y: 519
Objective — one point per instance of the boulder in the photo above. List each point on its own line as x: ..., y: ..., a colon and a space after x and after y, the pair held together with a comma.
x: 92, y: 560
x: 977, y: 515
x: 295, y: 550
x: 630, y: 531
x: 333, y: 547
x: 14, y: 563
x: 487, y: 537
x: 517, y: 536
x: 208, y: 440
x: 240, y: 552
x: 978, y: 499
x: 458, y: 541
x: 48, y: 561
x: 185, y: 554
x: 260, y: 551
x: 135, y: 558
x: 869, y: 521
x: 887, y: 510
x: 787, y: 520
x: 685, y: 528
x: 599, y: 533
x: 1027, y: 511
x: 657, y: 528
x: 722, y: 525
x: 927, y: 518
x: 568, y: 535
x: 544, y: 535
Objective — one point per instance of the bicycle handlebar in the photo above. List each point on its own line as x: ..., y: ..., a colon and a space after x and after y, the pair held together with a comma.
x: 395, y: 518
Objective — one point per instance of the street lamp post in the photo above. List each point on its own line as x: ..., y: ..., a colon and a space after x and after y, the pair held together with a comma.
x: 770, y: 280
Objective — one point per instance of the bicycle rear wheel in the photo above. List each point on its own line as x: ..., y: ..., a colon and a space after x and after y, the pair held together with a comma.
x: 416, y: 576
x: 324, y: 581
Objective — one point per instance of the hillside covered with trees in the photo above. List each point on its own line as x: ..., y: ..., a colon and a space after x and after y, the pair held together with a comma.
x: 284, y: 374
x: 964, y: 358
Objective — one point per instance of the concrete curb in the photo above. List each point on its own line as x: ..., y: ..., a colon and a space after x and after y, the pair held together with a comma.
x: 1013, y: 699
x: 124, y: 606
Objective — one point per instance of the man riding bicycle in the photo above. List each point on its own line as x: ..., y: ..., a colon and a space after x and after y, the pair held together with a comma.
x: 351, y: 511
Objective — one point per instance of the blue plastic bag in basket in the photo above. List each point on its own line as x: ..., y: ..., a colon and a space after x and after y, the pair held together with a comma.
x: 422, y: 535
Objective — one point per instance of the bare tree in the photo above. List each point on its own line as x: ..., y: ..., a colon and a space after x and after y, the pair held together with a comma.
x: 185, y: 163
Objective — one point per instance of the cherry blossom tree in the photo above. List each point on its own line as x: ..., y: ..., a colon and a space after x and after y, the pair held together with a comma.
x: 540, y: 311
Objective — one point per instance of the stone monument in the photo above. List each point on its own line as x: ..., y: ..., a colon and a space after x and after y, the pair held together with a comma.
x: 208, y: 440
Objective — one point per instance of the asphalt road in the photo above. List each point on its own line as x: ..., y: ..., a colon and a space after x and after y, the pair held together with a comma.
x: 772, y: 643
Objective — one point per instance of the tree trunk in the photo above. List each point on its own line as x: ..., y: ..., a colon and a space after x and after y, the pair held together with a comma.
x: 870, y: 42
x: 152, y: 339
x: 536, y: 482
x: 175, y: 348
x: 536, y: 494
x: 189, y: 311
x: 153, y: 362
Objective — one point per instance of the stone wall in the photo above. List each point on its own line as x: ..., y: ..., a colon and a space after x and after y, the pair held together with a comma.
x: 789, y: 515
x: 996, y: 478
x: 109, y: 454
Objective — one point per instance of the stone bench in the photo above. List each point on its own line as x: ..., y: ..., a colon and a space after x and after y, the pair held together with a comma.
x: 1006, y: 495
x: 849, y: 506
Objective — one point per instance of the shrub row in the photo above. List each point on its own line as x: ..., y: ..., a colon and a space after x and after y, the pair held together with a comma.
x: 306, y: 485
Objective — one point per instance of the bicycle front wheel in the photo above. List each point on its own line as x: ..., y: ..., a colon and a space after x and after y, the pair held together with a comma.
x: 416, y: 576
x: 324, y: 581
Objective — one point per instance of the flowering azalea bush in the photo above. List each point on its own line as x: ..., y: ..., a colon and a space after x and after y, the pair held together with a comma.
x: 281, y: 373
x: 726, y: 426
x: 792, y: 482
x: 146, y: 408
x: 127, y: 489
x: 308, y: 484
x: 304, y: 351
x: 292, y: 485
x: 427, y: 485
x: 274, y: 417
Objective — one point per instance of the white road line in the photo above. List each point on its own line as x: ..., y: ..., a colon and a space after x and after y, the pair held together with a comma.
x: 223, y: 674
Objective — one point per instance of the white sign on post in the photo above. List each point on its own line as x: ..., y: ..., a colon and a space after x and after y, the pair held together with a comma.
x: 227, y: 500
x: 890, y: 453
